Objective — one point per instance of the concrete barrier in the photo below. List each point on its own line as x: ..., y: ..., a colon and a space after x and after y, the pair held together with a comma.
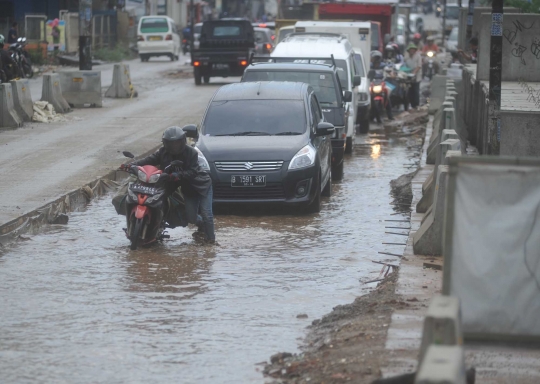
x: 52, y: 93
x: 9, y: 118
x: 438, y: 90
x: 81, y: 88
x: 428, y: 239
x: 442, y: 324
x: 428, y: 187
x: 447, y: 121
x: 442, y: 365
x: 121, y: 86
x: 22, y: 99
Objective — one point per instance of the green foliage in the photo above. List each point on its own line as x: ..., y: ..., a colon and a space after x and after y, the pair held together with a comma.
x: 36, y: 56
x: 525, y: 6
x: 116, y: 54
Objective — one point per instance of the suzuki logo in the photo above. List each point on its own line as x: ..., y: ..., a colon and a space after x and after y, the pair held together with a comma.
x: 248, y: 166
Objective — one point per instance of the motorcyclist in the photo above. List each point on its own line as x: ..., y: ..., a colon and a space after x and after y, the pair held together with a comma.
x: 430, y: 46
x: 392, y: 54
x: 417, y: 40
x: 195, y: 183
x: 376, y: 72
x: 8, y: 65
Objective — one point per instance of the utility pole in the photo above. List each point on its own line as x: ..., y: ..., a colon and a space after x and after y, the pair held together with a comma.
x: 85, y: 35
x: 495, y: 76
x: 443, y: 23
x: 469, y: 21
x: 191, y: 27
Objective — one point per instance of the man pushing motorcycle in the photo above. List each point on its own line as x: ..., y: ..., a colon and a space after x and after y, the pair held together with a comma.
x: 195, y: 183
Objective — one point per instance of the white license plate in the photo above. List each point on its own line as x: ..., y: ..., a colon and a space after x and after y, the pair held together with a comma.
x: 248, y: 181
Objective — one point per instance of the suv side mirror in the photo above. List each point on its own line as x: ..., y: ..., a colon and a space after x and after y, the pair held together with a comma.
x: 324, y: 128
x: 191, y: 131
x: 356, y: 80
x: 347, y: 96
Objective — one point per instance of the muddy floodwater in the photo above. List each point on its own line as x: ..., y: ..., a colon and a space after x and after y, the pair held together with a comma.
x: 77, y: 306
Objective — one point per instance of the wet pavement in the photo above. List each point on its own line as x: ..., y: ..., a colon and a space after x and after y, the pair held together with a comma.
x: 78, y: 306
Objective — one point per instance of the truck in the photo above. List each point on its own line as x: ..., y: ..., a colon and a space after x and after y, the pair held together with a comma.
x: 384, y: 13
x: 224, y: 49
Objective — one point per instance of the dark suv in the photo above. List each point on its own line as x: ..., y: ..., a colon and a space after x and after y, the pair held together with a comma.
x: 324, y: 79
x: 266, y: 142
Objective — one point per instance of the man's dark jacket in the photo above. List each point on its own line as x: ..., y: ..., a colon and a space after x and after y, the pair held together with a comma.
x: 9, y: 66
x: 193, y: 178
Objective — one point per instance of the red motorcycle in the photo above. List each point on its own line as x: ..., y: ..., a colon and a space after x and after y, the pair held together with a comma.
x: 379, y: 98
x: 146, y: 204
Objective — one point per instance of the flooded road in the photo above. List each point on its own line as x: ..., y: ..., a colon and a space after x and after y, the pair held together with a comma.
x: 78, y: 306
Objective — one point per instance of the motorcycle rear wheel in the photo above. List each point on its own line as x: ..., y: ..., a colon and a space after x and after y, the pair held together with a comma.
x: 28, y: 71
x: 136, y: 234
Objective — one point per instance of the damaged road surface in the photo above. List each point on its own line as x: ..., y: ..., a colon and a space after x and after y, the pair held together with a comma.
x: 78, y: 305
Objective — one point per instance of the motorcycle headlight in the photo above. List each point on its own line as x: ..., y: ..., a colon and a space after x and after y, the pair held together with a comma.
x: 362, y: 96
x: 303, y: 158
x: 203, y: 163
x: 430, y: 54
x: 377, y: 89
x: 141, y: 175
x: 154, y: 178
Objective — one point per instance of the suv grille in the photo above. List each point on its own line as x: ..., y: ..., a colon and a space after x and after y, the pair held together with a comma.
x: 230, y: 166
x: 273, y: 191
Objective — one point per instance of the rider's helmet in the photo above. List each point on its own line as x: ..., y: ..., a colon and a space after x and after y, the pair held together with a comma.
x: 389, y: 52
x: 2, y: 39
x: 174, y: 140
x: 430, y: 39
x: 416, y: 37
x: 376, y: 55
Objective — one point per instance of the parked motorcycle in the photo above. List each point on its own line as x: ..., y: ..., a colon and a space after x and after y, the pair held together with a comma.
x: 22, y: 57
x: 146, y: 204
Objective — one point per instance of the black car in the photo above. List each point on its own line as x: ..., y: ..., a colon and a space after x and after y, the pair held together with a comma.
x: 323, y: 77
x: 266, y: 142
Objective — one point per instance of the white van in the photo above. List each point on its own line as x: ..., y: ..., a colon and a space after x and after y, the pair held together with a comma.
x: 359, y: 35
x: 158, y: 36
x: 313, y: 45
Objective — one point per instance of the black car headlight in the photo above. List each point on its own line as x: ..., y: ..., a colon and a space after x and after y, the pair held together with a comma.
x: 303, y: 158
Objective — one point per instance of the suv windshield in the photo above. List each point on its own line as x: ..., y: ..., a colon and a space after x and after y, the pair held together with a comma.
x: 254, y: 118
x: 359, y: 65
x: 154, y: 25
x: 322, y: 83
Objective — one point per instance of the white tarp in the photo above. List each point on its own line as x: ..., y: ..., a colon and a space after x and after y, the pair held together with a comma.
x: 495, y: 261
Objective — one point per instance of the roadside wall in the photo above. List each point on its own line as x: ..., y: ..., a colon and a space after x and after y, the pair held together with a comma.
x: 521, y: 47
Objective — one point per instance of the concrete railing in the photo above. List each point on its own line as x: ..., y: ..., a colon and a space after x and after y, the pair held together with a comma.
x: 445, y: 142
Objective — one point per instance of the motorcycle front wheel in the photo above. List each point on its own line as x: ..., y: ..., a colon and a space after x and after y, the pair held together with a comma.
x: 136, y: 233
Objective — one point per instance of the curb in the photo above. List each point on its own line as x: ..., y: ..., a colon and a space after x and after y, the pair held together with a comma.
x: 74, y: 200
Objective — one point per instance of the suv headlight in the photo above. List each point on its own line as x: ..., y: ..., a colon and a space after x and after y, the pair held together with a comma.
x: 303, y: 158
x: 203, y: 163
x: 363, y: 96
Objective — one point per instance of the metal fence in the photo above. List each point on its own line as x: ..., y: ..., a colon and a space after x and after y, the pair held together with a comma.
x: 103, y: 31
